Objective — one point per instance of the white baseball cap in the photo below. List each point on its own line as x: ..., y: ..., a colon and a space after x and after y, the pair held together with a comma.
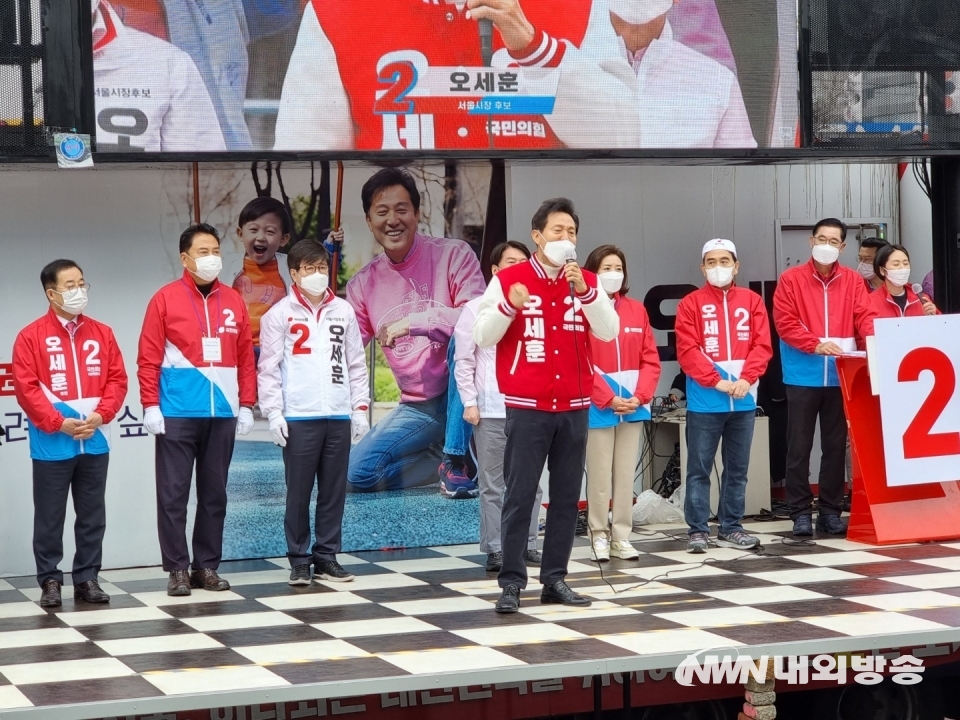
x: 718, y: 244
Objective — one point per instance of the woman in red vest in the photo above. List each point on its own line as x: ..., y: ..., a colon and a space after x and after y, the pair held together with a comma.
x: 896, y: 298
x: 626, y: 371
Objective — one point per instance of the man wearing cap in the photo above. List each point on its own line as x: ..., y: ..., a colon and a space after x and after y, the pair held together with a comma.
x: 723, y: 346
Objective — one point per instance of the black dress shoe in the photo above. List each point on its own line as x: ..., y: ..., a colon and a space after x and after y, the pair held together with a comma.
x: 494, y: 562
x: 509, y: 601
x: 50, y: 595
x: 533, y: 557
x: 561, y: 594
x: 179, y: 583
x: 207, y: 579
x: 91, y: 592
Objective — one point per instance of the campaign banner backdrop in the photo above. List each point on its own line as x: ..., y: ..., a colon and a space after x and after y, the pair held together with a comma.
x: 121, y: 224
x: 322, y: 75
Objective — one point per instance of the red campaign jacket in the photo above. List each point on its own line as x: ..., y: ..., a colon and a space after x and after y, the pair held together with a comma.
x: 808, y: 309
x: 722, y: 336
x: 537, y: 358
x: 56, y: 376
x: 886, y: 307
x: 446, y: 38
x: 171, y: 368
x: 630, y: 363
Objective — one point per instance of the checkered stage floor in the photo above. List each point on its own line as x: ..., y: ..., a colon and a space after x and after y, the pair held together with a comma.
x: 425, y: 611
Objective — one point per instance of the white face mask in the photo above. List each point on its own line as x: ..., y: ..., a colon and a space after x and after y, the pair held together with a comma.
x: 866, y: 271
x: 314, y: 283
x: 208, y: 267
x: 720, y: 276
x: 825, y: 254
x: 639, y: 12
x: 559, y: 251
x: 899, y: 276
x: 74, y: 301
x: 611, y: 282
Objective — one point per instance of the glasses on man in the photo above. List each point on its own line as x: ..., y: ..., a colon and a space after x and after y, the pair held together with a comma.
x: 833, y: 242
x: 311, y: 269
x: 74, y: 286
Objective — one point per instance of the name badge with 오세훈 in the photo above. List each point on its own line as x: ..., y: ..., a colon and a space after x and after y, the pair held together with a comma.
x: 211, y: 350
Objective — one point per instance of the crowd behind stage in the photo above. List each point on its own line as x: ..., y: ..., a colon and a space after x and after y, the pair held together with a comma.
x: 551, y: 363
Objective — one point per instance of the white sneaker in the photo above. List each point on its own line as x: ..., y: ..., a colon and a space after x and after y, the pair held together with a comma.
x: 624, y: 550
x: 601, y: 550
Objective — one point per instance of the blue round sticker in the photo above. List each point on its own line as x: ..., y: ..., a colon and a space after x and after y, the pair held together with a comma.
x: 72, y: 147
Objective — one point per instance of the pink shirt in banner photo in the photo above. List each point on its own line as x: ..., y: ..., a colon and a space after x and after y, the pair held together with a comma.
x: 428, y: 288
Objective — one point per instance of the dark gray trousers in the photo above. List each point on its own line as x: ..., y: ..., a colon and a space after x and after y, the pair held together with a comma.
x: 535, y: 437
x: 85, y: 478
x: 207, y: 445
x: 804, y: 405
x: 317, y: 451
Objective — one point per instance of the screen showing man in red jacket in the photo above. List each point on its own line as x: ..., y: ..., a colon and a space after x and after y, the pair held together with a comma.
x: 198, y: 385
x: 538, y: 314
x: 821, y: 310
x: 69, y: 380
x: 723, y: 346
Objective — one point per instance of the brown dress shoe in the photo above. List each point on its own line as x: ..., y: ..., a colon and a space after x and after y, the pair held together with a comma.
x: 207, y: 579
x: 50, y: 595
x: 179, y: 583
x: 90, y: 592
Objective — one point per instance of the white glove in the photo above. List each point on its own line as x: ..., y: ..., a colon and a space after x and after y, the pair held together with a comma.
x: 359, y: 426
x: 244, y: 421
x: 278, y: 429
x: 153, y: 420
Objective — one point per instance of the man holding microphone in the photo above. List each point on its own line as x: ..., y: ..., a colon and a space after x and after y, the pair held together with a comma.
x: 198, y: 385
x: 69, y: 380
x: 538, y: 314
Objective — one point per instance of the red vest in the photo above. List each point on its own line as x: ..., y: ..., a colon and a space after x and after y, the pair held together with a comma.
x: 545, y: 347
x: 362, y: 32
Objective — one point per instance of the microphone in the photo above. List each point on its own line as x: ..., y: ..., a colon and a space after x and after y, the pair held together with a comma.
x: 918, y: 289
x: 486, y: 41
x: 570, y: 257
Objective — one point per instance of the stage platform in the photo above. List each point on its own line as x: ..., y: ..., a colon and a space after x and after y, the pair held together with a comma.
x: 422, y: 619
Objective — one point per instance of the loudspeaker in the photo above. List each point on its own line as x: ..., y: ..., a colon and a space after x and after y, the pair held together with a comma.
x: 852, y: 35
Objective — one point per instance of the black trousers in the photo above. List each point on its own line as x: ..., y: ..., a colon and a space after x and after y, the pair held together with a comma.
x: 85, y: 478
x: 535, y: 437
x: 207, y: 445
x: 317, y: 451
x: 804, y: 405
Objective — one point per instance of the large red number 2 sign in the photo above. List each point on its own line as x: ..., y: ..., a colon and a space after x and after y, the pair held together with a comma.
x: 303, y: 334
x: 402, y: 78
x: 918, y: 441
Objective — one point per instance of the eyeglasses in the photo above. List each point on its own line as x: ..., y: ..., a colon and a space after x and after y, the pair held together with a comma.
x: 311, y: 269
x: 833, y: 242
x: 81, y: 286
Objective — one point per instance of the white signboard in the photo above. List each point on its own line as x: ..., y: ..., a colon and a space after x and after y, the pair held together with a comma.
x: 917, y: 359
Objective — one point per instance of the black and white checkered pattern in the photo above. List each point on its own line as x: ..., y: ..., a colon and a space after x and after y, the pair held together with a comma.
x: 425, y: 611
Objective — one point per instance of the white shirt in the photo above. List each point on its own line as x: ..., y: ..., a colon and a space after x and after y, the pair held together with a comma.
x: 475, y: 368
x: 684, y: 98
x: 149, y: 94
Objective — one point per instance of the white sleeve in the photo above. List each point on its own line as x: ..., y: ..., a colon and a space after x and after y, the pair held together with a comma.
x: 464, y: 355
x: 314, y: 111
x: 602, y: 316
x: 190, y: 123
x: 356, y: 364
x: 596, y: 101
x: 493, y: 316
x: 269, y: 382
x: 735, y: 130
